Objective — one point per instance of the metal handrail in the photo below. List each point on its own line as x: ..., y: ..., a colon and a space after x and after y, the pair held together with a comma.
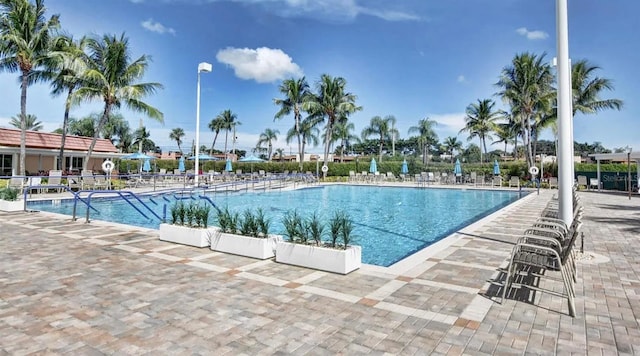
x: 53, y: 186
x: 206, y: 198
x: 120, y: 193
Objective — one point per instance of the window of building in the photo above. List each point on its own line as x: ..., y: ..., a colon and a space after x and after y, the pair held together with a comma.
x: 6, y: 162
x: 73, y: 163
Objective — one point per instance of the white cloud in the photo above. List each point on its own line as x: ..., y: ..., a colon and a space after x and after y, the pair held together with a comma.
x: 532, y: 35
x: 156, y: 27
x: 448, y: 124
x: 137, y: 1
x: 461, y: 79
x: 263, y: 64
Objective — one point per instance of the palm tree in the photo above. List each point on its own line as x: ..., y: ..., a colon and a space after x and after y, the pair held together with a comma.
x: 382, y: 128
x: 141, y: 136
x: 112, y: 77
x: 280, y: 152
x: 296, y: 92
x: 586, y: 90
x: 504, y: 134
x: 176, y: 135
x: 85, y: 127
x: 216, y: 125
x: 25, y: 42
x: 342, y: 131
x: 30, y: 122
x: 480, y: 122
x: 451, y: 144
x: 68, y: 63
x: 331, y: 103
x: 426, y: 136
x: 267, y: 137
x: 526, y: 86
x: 308, y: 132
x: 229, y: 120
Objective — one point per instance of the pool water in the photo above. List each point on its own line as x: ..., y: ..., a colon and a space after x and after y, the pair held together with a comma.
x: 391, y: 222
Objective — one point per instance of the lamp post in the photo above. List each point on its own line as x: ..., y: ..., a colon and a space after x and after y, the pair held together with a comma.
x: 629, y: 170
x: 202, y: 67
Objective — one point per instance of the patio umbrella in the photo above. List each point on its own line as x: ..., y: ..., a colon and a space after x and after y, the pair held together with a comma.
x: 405, y: 168
x: 228, y: 166
x: 146, y: 166
x: 373, y: 167
x: 252, y: 159
x: 496, y: 168
x: 181, y: 164
x: 204, y: 157
x: 137, y: 155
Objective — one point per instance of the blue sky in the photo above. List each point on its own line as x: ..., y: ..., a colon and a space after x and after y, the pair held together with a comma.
x: 412, y: 58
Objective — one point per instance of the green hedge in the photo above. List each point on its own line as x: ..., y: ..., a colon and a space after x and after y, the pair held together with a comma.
x: 415, y: 166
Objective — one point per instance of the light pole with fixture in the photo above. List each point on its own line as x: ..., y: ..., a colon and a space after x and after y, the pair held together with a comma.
x: 629, y: 170
x: 202, y: 67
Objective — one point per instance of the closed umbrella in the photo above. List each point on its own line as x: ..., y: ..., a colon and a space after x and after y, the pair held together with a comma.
x: 373, y: 167
x: 457, y: 169
x: 405, y: 168
x: 496, y: 168
x: 181, y: 164
x: 146, y: 166
x: 228, y: 166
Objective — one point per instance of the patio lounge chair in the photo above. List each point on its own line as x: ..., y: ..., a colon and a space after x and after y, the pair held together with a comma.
x: 514, y: 181
x: 593, y: 183
x: 55, y: 179
x: 547, y: 246
x: 582, y: 181
x: 497, y: 181
x: 553, y: 182
x: 17, y: 183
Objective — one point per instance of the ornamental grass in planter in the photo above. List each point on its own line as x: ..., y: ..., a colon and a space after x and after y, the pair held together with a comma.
x: 305, y: 246
x: 9, y: 200
x: 189, y: 225
x: 245, y: 235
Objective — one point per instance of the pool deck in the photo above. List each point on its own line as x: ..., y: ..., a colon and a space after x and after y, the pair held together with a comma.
x: 100, y: 288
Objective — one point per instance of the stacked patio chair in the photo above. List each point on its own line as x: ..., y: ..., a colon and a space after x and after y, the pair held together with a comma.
x: 548, y: 245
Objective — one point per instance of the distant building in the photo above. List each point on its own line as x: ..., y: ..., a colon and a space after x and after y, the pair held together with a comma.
x: 43, y: 149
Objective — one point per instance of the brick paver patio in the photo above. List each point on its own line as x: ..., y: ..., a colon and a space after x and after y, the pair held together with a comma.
x: 70, y: 287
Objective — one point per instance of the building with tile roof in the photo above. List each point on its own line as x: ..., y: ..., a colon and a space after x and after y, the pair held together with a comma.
x: 43, y: 149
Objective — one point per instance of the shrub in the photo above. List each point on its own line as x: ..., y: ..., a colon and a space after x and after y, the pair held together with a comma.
x: 262, y: 222
x: 335, y: 224
x: 293, y: 226
x: 9, y: 194
x: 314, y: 229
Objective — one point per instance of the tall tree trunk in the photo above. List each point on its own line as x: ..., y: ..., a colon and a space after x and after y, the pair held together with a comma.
x: 270, y: 148
x: 296, y: 116
x: 214, y: 143
x: 380, y: 149
x: 179, y: 148
x: 303, y: 142
x: 327, y: 141
x: 96, y: 135
x: 226, y: 139
x: 342, y: 152
x: 65, y: 123
x: 23, y: 123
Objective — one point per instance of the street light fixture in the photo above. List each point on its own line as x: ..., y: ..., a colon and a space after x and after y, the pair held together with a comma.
x: 202, y: 67
x: 629, y: 170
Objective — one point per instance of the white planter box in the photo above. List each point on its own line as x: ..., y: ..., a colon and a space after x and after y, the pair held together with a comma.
x: 187, y: 235
x: 247, y: 246
x: 322, y: 258
x: 17, y: 205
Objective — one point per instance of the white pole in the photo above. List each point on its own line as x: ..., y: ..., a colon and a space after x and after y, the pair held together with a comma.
x: 565, y: 161
x: 202, y: 67
x: 196, y: 179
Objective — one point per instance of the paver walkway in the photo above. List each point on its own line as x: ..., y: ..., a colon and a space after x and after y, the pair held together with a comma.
x: 70, y: 287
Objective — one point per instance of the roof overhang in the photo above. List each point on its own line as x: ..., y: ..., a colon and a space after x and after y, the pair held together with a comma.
x: 56, y: 152
x: 622, y: 156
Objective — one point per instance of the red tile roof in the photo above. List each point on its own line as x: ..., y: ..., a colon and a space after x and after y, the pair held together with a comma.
x: 37, y: 139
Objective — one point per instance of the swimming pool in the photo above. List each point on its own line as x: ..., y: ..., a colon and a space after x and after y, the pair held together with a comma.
x: 391, y: 222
